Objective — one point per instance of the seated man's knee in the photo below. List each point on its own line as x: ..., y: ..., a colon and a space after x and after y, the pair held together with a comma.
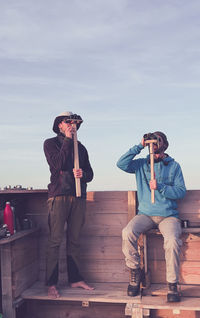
x: 125, y: 233
x: 128, y: 234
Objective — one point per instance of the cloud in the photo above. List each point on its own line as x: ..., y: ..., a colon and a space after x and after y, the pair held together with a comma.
x: 185, y: 84
x: 39, y: 30
x: 125, y: 65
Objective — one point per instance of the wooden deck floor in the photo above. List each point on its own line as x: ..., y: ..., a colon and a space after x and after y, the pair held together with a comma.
x: 116, y: 293
x: 104, y: 293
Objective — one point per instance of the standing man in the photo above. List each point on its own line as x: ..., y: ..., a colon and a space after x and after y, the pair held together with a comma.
x: 169, y: 186
x: 63, y: 205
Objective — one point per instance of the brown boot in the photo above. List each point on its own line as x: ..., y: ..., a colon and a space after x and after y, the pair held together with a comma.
x: 134, y: 284
x: 173, y: 294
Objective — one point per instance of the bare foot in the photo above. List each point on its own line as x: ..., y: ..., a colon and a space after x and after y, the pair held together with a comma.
x: 81, y: 284
x: 52, y: 292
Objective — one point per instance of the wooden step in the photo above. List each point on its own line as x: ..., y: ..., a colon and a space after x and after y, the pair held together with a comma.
x: 161, y: 290
x: 103, y: 292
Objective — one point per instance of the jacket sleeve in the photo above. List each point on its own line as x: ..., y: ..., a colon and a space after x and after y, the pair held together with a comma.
x: 87, y: 169
x: 175, y: 191
x: 57, y: 157
x: 126, y: 162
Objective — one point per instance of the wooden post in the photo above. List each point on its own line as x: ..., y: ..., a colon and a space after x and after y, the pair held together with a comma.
x: 76, y: 161
x: 131, y: 204
x: 145, y: 253
x: 6, y: 274
x: 135, y: 310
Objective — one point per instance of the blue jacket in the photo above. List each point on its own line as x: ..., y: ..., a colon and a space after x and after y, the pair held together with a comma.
x: 170, y: 183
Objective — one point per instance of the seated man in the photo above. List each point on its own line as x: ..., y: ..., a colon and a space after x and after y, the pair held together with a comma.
x: 169, y: 186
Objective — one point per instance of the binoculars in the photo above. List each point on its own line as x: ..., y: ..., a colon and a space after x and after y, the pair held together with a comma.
x: 150, y: 136
x: 76, y: 119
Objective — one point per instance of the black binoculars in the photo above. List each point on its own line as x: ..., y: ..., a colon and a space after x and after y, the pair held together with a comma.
x: 73, y: 118
x: 150, y: 136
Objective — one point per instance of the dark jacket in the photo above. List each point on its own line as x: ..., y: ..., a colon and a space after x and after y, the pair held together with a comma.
x: 59, y: 152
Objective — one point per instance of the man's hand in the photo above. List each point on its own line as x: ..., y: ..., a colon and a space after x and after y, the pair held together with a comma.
x: 153, y: 184
x: 78, y: 173
x: 143, y: 142
x: 69, y: 130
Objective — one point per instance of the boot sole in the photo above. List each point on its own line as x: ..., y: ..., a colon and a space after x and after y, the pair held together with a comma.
x: 173, y: 298
x: 133, y: 293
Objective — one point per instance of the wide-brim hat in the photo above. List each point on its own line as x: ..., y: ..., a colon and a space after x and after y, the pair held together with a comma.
x: 60, y: 118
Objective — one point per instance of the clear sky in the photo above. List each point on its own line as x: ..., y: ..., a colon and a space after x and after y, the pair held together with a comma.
x: 128, y: 67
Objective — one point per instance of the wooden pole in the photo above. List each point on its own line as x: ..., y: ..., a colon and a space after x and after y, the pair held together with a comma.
x: 152, y: 171
x: 76, y: 161
x: 151, y: 152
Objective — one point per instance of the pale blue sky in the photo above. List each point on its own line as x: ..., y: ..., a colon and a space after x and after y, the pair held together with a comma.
x: 127, y: 67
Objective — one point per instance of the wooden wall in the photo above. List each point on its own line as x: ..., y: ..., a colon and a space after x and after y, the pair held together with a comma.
x: 189, y: 208
x: 101, y: 252
x: 102, y: 259
x: 107, y: 213
x: 190, y: 259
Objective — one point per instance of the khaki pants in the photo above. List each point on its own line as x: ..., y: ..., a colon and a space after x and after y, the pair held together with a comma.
x: 169, y: 227
x: 70, y: 210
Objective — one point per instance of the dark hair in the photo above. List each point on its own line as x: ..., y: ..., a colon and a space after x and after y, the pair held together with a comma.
x: 164, y: 138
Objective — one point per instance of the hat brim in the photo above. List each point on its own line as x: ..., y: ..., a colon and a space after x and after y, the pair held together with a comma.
x: 57, y: 121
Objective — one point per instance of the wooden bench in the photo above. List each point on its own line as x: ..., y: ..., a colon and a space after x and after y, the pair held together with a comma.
x: 103, y: 266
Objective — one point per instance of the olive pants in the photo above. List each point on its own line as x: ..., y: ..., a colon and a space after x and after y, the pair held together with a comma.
x: 70, y: 210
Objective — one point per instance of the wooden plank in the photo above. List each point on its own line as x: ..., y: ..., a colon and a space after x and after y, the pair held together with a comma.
x: 191, y: 216
x: 167, y: 313
x: 93, y: 270
x: 96, y: 224
x: 133, y: 311
x: 100, y: 224
x: 190, y: 203
x: 24, y: 252
x: 189, y: 230
x: 160, y: 302
x: 50, y: 309
x: 37, y: 204
x: 100, y: 247
x: 190, y: 250
x: 101, y: 271
x: 189, y: 272
x: 188, y: 237
x: 107, y: 201
x: 40, y: 221
x: 6, y: 282
x: 106, y: 293
x: 20, y: 191
x: 162, y: 289
x: 131, y: 205
x: 19, y: 235
x: 24, y: 278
